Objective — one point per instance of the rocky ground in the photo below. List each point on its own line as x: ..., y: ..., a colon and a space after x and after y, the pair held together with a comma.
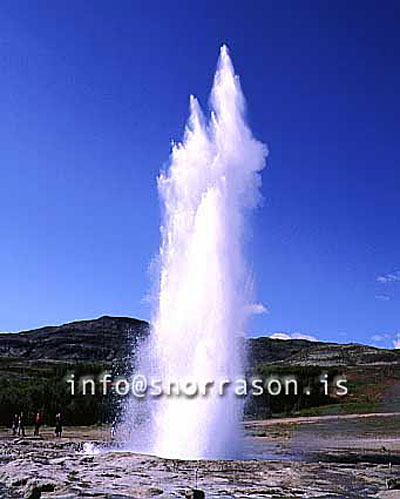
x: 335, y: 457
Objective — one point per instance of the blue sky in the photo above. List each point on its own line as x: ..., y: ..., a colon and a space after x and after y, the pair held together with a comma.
x: 91, y: 95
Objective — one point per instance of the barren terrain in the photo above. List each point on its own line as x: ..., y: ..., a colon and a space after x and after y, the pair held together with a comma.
x: 326, y: 457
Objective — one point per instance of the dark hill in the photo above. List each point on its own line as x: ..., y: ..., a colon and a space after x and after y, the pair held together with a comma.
x: 313, y: 353
x: 108, y: 338
x: 102, y: 339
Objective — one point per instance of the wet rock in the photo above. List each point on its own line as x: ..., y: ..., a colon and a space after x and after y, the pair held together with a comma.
x: 16, y: 482
x: 55, y: 471
x: 34, y: 488
x: 32, y: 492
x: 194, y: 494
x: 393, y: 484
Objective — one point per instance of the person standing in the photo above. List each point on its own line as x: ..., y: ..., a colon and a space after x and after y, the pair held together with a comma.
x: 21, y: 425
x: 15, y: 424
x: 38, y: 422
x: 58, y: 429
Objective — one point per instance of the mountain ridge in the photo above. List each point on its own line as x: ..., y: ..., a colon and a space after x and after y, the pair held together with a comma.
x: 107, y: 337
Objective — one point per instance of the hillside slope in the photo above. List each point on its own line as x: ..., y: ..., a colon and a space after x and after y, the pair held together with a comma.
x: 103, y: 339
x: 109, y: 338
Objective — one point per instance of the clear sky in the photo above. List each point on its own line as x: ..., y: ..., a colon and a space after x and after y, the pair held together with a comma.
x: 93, y: 92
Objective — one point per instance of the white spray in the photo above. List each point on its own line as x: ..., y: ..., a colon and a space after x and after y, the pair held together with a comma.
x: 212, y: 181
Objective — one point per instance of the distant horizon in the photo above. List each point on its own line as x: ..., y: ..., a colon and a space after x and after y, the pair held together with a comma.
x: 273, y: 335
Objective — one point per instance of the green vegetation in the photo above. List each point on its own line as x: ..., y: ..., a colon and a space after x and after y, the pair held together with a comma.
x: 34, y: 385
x: 41, y: 386
x: 310, y: 392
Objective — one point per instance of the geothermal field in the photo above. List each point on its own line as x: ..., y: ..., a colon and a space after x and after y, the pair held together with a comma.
x: 331, y: 457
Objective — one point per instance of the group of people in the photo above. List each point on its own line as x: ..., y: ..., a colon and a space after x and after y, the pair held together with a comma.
x: 18, y: 424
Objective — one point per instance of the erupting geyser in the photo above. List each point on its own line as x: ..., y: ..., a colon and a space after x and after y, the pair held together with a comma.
x: 204, y: 292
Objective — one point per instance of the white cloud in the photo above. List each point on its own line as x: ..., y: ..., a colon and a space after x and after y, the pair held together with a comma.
x: 280, y: 336
x: 380, y: 338
x: 396, y: 341
x: 383, y: 297
x: 293, y: 336
x: 257, y: 309
x: 393, y: 276
x: 382, y: 279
